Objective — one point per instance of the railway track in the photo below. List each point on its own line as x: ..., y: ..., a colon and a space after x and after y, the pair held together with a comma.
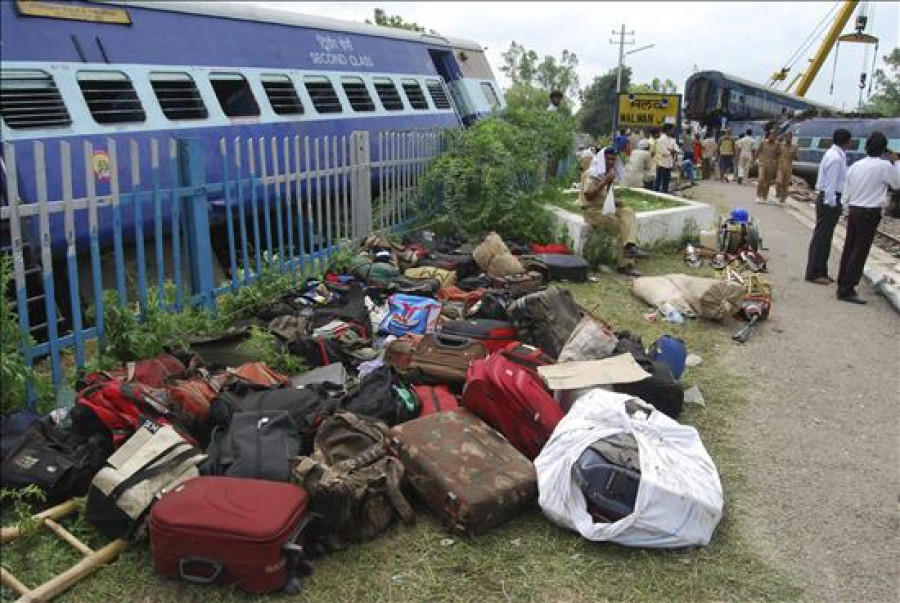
x: 888, y: 242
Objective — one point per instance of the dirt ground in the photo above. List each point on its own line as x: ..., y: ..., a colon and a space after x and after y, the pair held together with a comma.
x: 820, y: 437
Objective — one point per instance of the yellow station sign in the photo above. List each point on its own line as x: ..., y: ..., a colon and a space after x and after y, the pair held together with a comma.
x: 648, y: 109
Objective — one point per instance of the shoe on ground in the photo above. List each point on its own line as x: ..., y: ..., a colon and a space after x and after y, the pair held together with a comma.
x: 852, y: 298
x: 821, y: 280
x: 628, y: 271
x: 635, y: 252
x: 831, y: 281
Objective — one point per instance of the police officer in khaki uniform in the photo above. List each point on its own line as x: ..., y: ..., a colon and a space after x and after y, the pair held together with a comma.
x: 595, y: 184
x: 786, y: 156
x: 767, y: 158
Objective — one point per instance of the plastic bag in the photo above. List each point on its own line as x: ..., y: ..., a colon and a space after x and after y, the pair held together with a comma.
x: 609, y: 206
x: 592, y: 339
x: 679, y: 501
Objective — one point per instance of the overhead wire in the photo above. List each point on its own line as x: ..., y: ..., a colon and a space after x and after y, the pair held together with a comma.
x: 817, y: 31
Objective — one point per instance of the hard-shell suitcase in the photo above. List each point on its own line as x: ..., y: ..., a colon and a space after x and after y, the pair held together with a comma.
x: 229, y: 530
x: 494, y: 334
x: 563, y: 267
x: 444, y: 359
x: 435, y: 398
x: 511, y: 398
x: 466, y: 472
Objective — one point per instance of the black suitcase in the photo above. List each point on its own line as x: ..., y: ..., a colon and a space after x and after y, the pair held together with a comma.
x: 561, y: 267
x: 659, y: 389
x: 609, y: 474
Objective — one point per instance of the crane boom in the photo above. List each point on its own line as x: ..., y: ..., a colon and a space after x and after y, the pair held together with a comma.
x: 828, y: 43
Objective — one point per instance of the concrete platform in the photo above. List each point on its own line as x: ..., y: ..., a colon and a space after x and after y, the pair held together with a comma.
x: 653, y: 226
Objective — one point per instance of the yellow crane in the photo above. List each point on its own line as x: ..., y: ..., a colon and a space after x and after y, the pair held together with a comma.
x: 804, y: 80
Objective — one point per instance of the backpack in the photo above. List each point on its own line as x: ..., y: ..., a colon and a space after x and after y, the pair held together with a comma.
x: 259, y: 444
x: 545, y: 319
x: 350, y: 307
x: 58, y: 461
x: 511, y: 398
x: 153, y: 372
x: 153, y: 460
x: 659, y: 389
x: 380, y: 397
x: 353, y: 483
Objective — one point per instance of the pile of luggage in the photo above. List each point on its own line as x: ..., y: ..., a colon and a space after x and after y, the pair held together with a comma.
x: 460, y: 378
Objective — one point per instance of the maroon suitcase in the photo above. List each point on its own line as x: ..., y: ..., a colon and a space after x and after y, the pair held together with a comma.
x: 229, y: 530
x: 494, y: 334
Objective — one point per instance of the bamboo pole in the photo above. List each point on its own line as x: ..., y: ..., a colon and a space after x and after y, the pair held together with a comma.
x: 68, y: 537
x: 77, y: 572
x: 58, y: 512
x: 13, y: 582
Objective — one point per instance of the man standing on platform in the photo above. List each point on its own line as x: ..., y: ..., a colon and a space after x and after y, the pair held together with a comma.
x: 743, y: 148
x: 786, y: 156
x: 830, y: 184
x: 868, y: 181
x: 767, y: 158
x: 726, y: 155
x: 709, y: 155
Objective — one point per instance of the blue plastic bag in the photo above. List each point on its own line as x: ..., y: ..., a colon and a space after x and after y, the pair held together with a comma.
x: 410, y: 314
x: 671, y: 351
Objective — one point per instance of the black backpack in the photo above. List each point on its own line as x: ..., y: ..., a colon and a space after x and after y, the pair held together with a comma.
x: 659, y: 389
x: 60, y: 462
x: 256, y: 444
x: 350, y: 307
x: 380, y: 397
x: 307, y: 407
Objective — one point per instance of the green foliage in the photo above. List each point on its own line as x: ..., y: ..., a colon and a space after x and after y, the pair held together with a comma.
x: 266, y: 347
x: 656, y: 85
x: 600, y: 248
x: 14, y: 373
x: 599, y: 102
x: 886, y: 99
x: 382, y: 18
x: 488, y: 178
x: 247, y: 301
x: 525, y: 96
x: 19, y: 506
x: 523, y: 66
x: 127, y: 338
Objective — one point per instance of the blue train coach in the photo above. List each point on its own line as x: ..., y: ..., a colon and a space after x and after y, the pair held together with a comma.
x: 132, y: 72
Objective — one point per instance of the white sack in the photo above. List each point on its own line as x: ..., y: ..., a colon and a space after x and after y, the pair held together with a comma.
x: 679, y: 500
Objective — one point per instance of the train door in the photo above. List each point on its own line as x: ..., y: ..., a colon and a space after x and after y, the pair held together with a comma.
x: 448, y: 69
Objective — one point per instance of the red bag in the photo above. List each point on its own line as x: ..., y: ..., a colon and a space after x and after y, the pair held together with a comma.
x: 551, y: 248
x: 190, y: 399
x: 152, y: 372
x: 259, y: 373
x: 513, y: 400
x: 494, y: 334
x: 435, y: 398
x: 229, y: 530
x: 121, y: 408
x: 527, y: 355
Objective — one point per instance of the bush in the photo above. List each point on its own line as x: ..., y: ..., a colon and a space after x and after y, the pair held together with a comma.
x: 489, y: 177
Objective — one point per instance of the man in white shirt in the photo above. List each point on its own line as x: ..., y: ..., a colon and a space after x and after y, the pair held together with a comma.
x: 868, y: 181
x: 743, y: 148
x: 665, y: 159
x: 830, y: 184
x: 556, y: 98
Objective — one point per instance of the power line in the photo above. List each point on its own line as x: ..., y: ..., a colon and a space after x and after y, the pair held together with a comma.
x: 811, y: 38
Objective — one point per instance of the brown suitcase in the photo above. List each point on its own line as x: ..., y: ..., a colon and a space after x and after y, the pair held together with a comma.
x: 444, y: 359
x: 468, y: 474
x: 519, y: 284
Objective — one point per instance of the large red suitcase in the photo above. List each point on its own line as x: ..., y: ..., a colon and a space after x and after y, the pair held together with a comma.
x: 512, y: 399
x: 229, y: 530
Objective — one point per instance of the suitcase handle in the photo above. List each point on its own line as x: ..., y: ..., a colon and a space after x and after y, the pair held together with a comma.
x: 444, y: 340
x: 215, y: 566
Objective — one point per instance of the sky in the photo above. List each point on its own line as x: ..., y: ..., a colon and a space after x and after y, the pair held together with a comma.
x: 747, y: 39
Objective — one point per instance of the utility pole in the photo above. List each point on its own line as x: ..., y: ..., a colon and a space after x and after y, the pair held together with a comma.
x: 621, y: 42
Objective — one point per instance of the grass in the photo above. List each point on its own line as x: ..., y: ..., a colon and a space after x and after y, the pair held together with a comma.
x: 634, y: 199
x: 528, y: 559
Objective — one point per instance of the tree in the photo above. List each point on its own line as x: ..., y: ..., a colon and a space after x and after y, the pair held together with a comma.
x: 521, y: 66
x: 386, y: 20
x: 599, y: 102
x: 656, y: 85
x: 886, y: 99
x: 526, y: 96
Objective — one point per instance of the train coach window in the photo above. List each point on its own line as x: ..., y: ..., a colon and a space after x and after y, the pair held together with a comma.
x: 490, y: 94
x: 824, y: 144
x: 30, y: 99
x: 387, y: 92
x: 854, y: 145
x: 178, y: 96
x: 234, y: 94
x: 322, y: 93
x: 414, y: 94
x: 357, y: 94
x: 438, y: 94
x: 110, y: 97
x: 282, y: 95
x: 804, y: 142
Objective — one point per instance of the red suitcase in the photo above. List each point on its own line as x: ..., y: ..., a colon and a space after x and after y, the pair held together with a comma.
x: 512, y: 399
x: 229, y: 530
x: 435, y: 398
x: 494, y: 334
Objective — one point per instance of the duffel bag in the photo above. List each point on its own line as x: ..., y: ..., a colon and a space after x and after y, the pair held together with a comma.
x: 154, y: 459
x: 494, y: 334
x: 260, y: 444
x: 660, y: 389
x: 380, y: 397
x: 545, y: 319
x: 561, y: 267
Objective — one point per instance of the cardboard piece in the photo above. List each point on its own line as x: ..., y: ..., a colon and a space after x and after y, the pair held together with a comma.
x: 591, y: 373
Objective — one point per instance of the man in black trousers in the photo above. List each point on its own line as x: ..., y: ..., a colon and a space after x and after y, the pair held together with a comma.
x: 830, y: 183
x: 868, y: 181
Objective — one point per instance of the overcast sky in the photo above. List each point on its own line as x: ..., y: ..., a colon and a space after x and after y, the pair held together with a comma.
x: 747, y: 39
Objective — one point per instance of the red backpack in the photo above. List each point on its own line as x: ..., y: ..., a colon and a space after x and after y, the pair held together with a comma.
x: 435, y: 398
x: 153, y: 372
x: 511, y: 398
